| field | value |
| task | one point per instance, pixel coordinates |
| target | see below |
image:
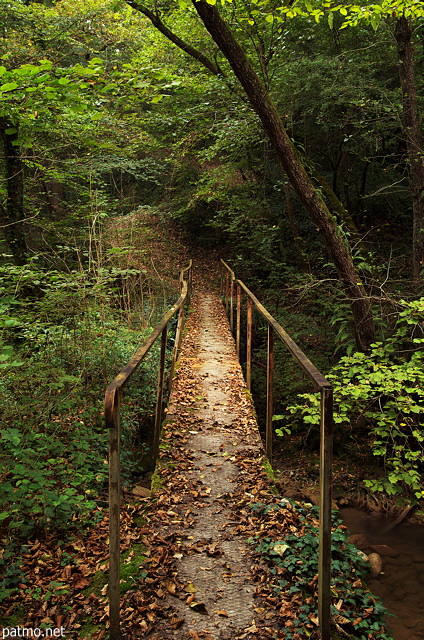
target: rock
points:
(343, 502)
(384, 550)
(140, 492)
(359, 540)
(376, 563)
(313, 496)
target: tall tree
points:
(412, 129)
(261, 101)
(12, 214)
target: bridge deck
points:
(210, 469)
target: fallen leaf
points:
(79, 582)
(170, 586)
(200, 608)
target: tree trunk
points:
(13, 215)
(292, 166)
(414, 148)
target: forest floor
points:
(188, 569)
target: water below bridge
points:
(401, 583)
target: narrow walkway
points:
(211, 467)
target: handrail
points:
(112, 414)
(326, 429)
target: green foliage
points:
(294, 563)
(67, 332)
(11, 572)
(381, 395)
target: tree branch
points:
(155, 19)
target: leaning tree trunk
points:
(12, 216)
(293, 167)
(414, 148)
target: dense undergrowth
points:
(379, 402)
(63, 337)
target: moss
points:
(88, 631)
(140, 520)
(130, 571)
(268, 469)
(249, 395)
(97, 583)
(157, 482)
(130, 567)
(16, 619)
(270, 473)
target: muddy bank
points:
(401, 583)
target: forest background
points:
(285, 138)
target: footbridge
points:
(211, 467)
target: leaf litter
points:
(199, 577)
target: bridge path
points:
(211, 468)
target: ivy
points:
(293, 560)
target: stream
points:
(400, 586)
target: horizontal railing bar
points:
(310, 369)
(228, 269)
(125, 374)
(112, 416)
(326, 432)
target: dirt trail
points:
(214, 437)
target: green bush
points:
(62, 340)
(381, 396)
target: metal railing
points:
(112, 412)
(232, 296)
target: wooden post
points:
(269, 392)
(227, 276)
(159, 395)
(238, 320)
(114, 518)
(232, 305)
(178, 338)
(249, 343)
(324, 562)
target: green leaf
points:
(9, 86)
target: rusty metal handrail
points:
(112, 413)
(326, 429)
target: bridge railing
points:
(112, 412)
(233, 290)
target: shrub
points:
(381, 395)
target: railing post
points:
(232, 304)
(178, 338)
(189, 284)
(227, 276)
(159, 396)
(324, 562)
(249, 343)
(238, 320)
(269, 392)
(114, 518)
